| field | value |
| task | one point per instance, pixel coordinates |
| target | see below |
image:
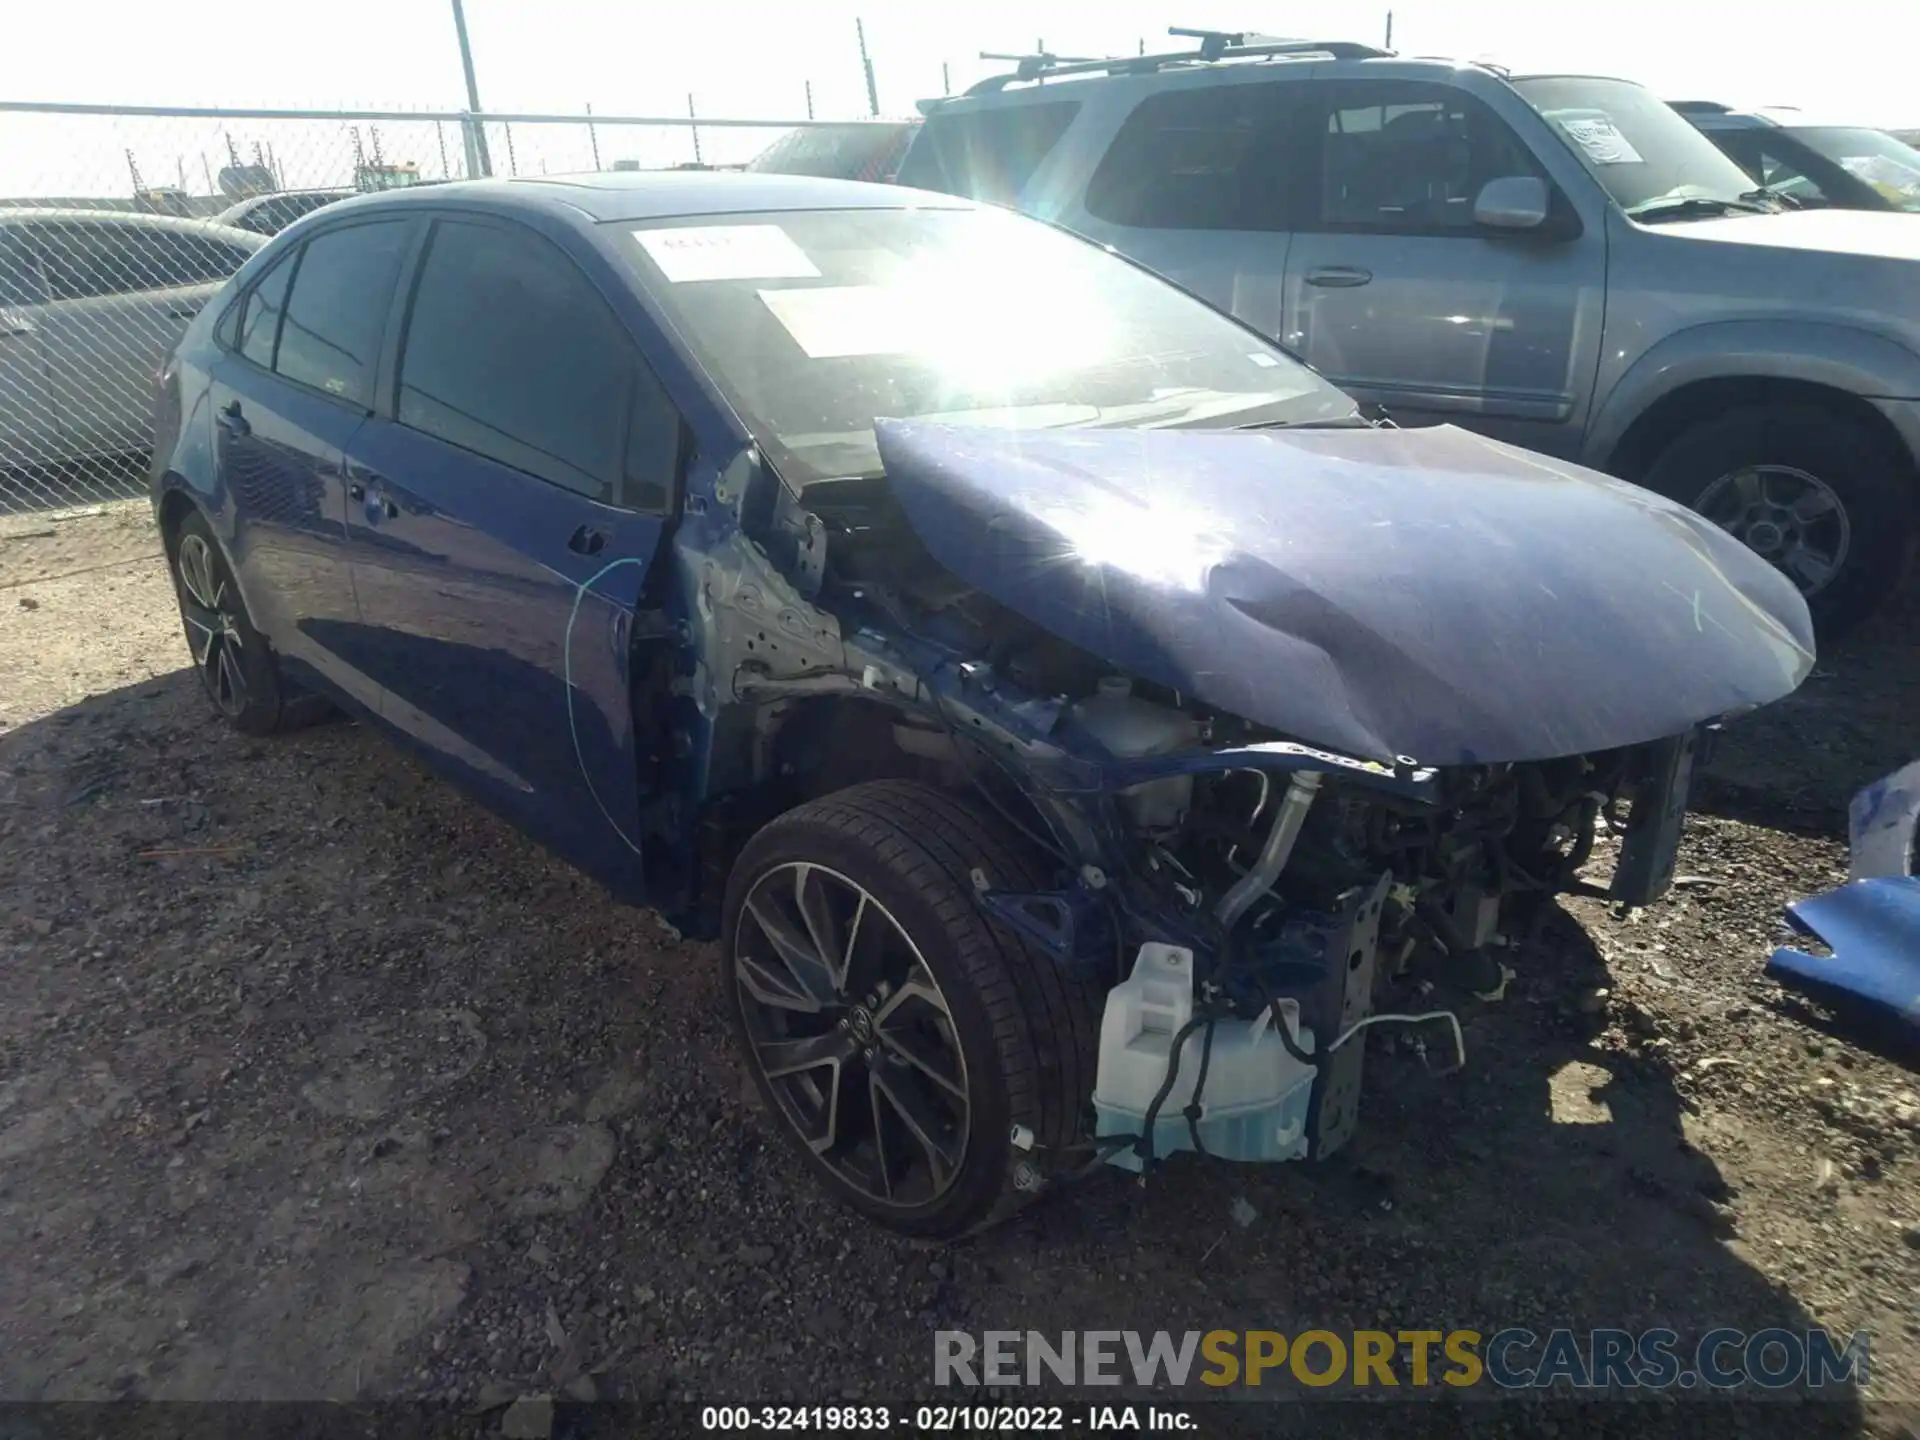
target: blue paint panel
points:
(1422, 593)
(500, 651)
(1873, 928)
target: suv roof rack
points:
(1214, 45)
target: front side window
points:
(330, 336)
(511, 353)
(1401, 155)
(19, 273)
(816, 323)
(1214, 158)
(986, 155)
(1649, 159)
(82, 261)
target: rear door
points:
(296, 380)
(1198, 185)
(122, 293)
(1396, 295)
(29, 424)
(506, 506)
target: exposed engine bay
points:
(1254, 903)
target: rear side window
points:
(1220, 158)
(83, 261)
(330, 336)
(19, 279)
(260, 321)
(986, 154)
(511, 353)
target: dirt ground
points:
(317, 1081)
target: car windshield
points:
(1872, 157)
(816, 323)
(1649, 159)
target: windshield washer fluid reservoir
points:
(1256, 1100)
(1132, 727)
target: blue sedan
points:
(1053, 696)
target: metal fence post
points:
(478, 162)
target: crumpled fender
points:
(1384, 593)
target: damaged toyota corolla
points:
(1077, 723)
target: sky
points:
(1849, 60)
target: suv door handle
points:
(230, 419)
(587, 540)
(1338, 277)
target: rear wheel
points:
(1813, 493)
(896, 1033)
(235, 665)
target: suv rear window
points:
(986, 154)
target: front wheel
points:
(1807, 489)
(896, 1033)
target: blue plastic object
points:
(1873, 928)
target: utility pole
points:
(946, 81)
(866, 64)
(478, 162)
(694, 129)
(1389, 44)
(593, 138)
(809, 99)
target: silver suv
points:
(1559, 261)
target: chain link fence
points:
(117, 224)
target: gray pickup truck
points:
(1558, 261)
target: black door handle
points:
(587, 540)
(232, 421)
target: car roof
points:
(1711, 114)
(661, 194)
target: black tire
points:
(1873, 484)
(1028, 1033)
(236, 666)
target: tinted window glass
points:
(512, 354)
(19, 280)
(1212, 159)
(330, 338)
(260, 320)
(1400, 155)
(81, 261)
(986, 154)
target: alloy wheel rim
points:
(1790, 518)
(213, 631)
(852, 1034)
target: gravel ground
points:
(317, 1081)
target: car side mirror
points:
(1513, 202)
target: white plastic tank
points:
(1132, 727)
(1255, 1104)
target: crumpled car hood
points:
(1420, 593)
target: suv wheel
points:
(895, 1032)
(1814, 494)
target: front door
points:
(1397, 296)
(504, 520)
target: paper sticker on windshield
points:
(833, 321)
(726, 252)
(1601, 139)
(1259, 359)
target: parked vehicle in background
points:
(1811, 165)
(91, 301)
(1559, 261)
(270, 214)
(856, 150)
(1079, 664)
